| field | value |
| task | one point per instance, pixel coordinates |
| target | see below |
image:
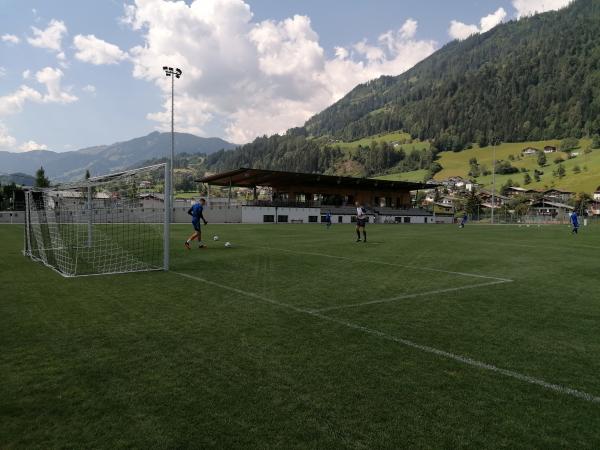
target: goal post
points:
(116, 223)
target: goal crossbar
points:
(116, 223)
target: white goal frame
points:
(101, 226)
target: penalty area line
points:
(374, 261)
(408, 296)
(407, 343)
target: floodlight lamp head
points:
(179, 72)
(165, 67)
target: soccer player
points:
(196, 212)
(575, 223)
(328, 219)
(361, 221)
(463, 221)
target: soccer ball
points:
(215, 238)
(227, 244)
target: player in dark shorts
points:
(361, 222)
(574, 222)
(196, 212)
(328, 219)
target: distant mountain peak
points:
(108, 158)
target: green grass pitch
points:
(298, 337)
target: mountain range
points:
(103, 159)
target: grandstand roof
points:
(245, 177)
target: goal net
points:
(110, 224)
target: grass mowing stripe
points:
(407, 296)
(424, 348)
(374, 261)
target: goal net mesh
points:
(109, 224)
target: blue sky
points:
(77, 73)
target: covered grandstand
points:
(306, 197)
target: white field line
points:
(407, 296)
(373, 261)
(424, 348)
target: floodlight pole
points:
(173, 73)
(493, 178)
(167, 217)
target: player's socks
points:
(365, 236)
(187, 244)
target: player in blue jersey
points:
(574, 222)
(196, 212)
(328, 219)
(463, 221)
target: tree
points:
(560, 171)
(87, 174)
(474, 170)
(527, 179)
(506, 186)
(568, 144)
(581, 202)
(576, 169)
(596, 141)
(504, 167)
(541, 159)
(473, 204)
(40, 178)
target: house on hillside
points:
(550, 149)
(594, 208)
(596, 195)
(442, 208)
(557, 195)
(529, 151)
(454, 182)
(554, 210)
(513, 191)
(471, 186)
(499, 200)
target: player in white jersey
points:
(361, 221)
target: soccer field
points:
(298, 337)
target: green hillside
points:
(531, 79)
(457, 164)
(529, 82)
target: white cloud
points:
(14, 102)
(254, 77)
(96, 51)
(530, 7)
(51, 78)
(32, 145)
(7, 142)
(409, 29)
(26, 74)
(10, 38)
(89, 88)
(2, 72)
(51, 37)
(459, 30)
(491, 20)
